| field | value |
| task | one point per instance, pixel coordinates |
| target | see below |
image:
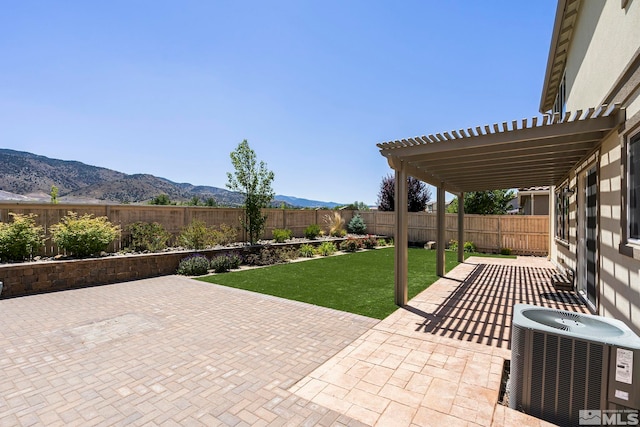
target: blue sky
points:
(171, 87)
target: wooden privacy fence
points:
(523, 234)
(527, 235)
(172, 218)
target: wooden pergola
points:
(527, 153)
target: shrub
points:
(220, 264)
(350, 245)
(335, 224)
(370, 242)
(234, 261)
(307, 251)
(196, 235)
(85, 235)
(224, 235)
(148, 236)
(382, 242)
(266, 256)
(20, 238)
(312, 231)
(326, 249)
(193, 265)
(470, 247)
(281, 235)
(357, 225)
(287, 254)
(505, 251)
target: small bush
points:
(312, 232)
(281, 235)
(288, 254)
(20, 238)
(382, 242)
(307, 251)
(357, 225)
(85, 235)
(193, 265)
(326, 249)
(505, 251)
(224, 235)
(234, 261)
(148, 236)
(196, 236)
(224, 263)
(266, 256)
(468, 246)
(370, 242)
(350, 245)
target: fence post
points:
(499, 233)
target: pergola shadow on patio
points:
(439, 359)
(479, 309)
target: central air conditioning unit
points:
(565, 365)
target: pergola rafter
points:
(540, 151)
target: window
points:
(560, 105)
(633, 171)
(562, 213)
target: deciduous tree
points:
(253, 180)
(494, 202)
(418, 194)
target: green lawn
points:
(361, 282)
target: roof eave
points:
(548, 89)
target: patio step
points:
(563, 281)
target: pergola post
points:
(461, 227)
(401, 236)
(440, 243)
(552, 216)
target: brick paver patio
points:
(165, 351)
(174, 351)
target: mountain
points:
(306, 203)
(25, 173)
(26, 176)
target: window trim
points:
(635, 139)
(630, 132)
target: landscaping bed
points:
(61, 273)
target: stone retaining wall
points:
(48, 276)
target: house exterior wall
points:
(603, 66)
(604, 41)
(619, 278)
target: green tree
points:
(494, 202)
(253, 180)
(54, 194)
(357, 206)
(210, 202)
(162, 199)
